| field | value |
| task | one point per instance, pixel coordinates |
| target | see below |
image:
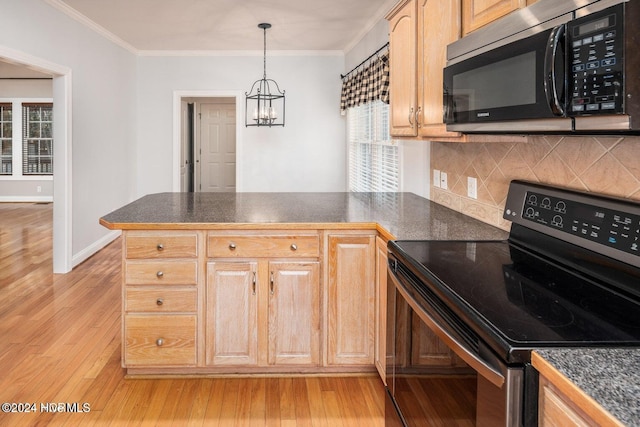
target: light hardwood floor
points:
(60, 343)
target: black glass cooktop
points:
(520, 300)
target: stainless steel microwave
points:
(576, 70)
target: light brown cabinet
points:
(262, 311)
(419, 32)
(231, 318)
(249, 301)
(478, 13)
(381, 308)
(160, 299)
(350, 299)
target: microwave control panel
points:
(595, 50)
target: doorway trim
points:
(62, 137)
(177, 98)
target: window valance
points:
(366, 84)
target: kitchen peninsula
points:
(265, 282)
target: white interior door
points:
(217, 151)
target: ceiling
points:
(230, 25)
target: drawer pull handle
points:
(160, 247)
(159, 274)
(159, 342)
(232, 246)
(294, 247)
(159, 301)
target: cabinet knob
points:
(159, 342)
(232, 246)
(159, 301)
(294, 247)
(159, 274)
(160, 247)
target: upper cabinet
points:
(477, 13)
(420, 31)
(403, 69)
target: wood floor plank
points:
(61, 344)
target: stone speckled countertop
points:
(611, 377)
(405, 216)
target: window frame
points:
(17, 149)
(6, 140)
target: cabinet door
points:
(294, 313)
(351, 300)
(438, 25)
(402, 69)
(381, 308)
(231, 313)
(476, 13)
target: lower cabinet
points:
(284, 294)
(350, 299)
(231, 318)
(250, 301)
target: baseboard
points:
(84, 254)
(25, 199)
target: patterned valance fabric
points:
(370, 83)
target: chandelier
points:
(264, 103)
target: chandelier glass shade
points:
(264, 103)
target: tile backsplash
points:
(607, 165)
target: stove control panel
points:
(603, 224)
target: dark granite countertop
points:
(403, 215)
(611, 377)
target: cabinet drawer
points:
(160, 340)
(245, 246)
(160, 300)
(161, 245)
(161, 272)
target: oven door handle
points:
(481, 366)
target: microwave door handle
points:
(550, 72)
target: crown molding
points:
(74, 14)
(260, 53)
(380, 14)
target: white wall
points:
(414, 155)
(306, 155)
(103, 78)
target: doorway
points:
(62, 221)
(207, 142)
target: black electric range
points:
(567, 276)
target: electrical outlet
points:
(39, 189)
(472, 187)
(443, 181)
(436, 178)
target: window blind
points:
(37, 141)
(373, 155)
